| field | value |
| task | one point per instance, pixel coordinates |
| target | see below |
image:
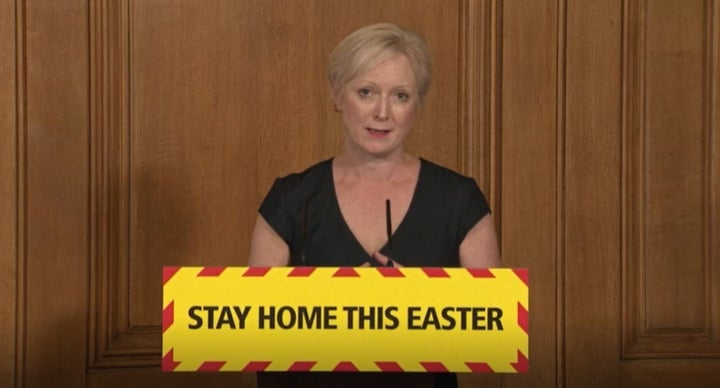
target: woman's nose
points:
(381, 110)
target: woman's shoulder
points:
(291, 192)
(310, 175)
(443, 183)
(457, 191)
(438, 172)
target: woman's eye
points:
(364, 92)
(402, 96)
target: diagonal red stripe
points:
(256, 271)
(345, 366)
(435, 272)
(301, 271)
(168, 272)
(523, 274)
(346, 272)
(168, 363)
(211, 366)
(211, 271)
(481, 272)
(256, 366)
(390, 272)
(522, 317)
(168, 316)
(301, 366)
(479, 367)
(434, 366)
(389, 366)
(522, 365)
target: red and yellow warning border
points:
(345, 319)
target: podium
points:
(345, 319)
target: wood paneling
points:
(8, 191)
(56, 200)
(480, 70)
(591, 184)
(111, 341)
(671, 290)
(670, 373)
(479, 114)
(528, 158)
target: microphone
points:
(388, 222)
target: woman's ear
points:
(336, 98)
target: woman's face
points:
(379, 107)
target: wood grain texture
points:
(593, 88)
(56, 151)
(528, 159)
(8, 193)
(479, 115)
(480, 68)
(672, 297)
(670, 373)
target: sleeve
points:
(474, 206)
(274, 210)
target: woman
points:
(336, 212)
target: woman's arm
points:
(480, 248)
(267, 248)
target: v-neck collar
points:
(346, 228)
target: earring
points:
(337, 108)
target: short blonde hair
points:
(369, 46)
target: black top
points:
(303, 209)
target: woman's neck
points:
(374, 168)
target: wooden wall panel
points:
(591, 181)
(55, 145)
(701, 373)
(8, 191)
(479, 108)
(479, 115)
(672, 292)
(529, 153)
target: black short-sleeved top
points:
(303, 209)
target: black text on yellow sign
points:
(349, 317)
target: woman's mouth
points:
(378, 131)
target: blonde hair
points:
(369, 46)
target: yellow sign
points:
(345, 319)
